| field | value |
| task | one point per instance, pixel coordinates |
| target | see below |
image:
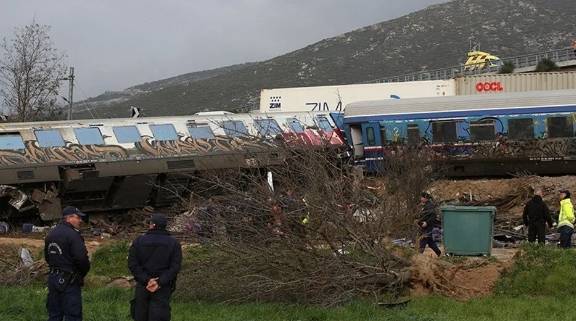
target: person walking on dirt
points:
(535, 217)
(427, 222)
(67, 257)
(566, 220)
(154, 259)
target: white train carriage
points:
(126, 163)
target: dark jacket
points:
(64, 249)
(155, 254)
(428, 215)
(536, 212)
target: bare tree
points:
(30, 69)
(321, 236)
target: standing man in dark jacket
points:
(67, 257)
(536, 215)
(427, 222)
(154, 259)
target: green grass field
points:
(539, 287)
(19, 304)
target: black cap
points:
(566, 192)
(70, 210)
(159, 220)
(426, 195)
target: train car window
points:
(201, 132)
(444, 131)
(520, 128)
(324, 124)
(126, 134)
(267, 127)
(483, 130)
(89, 136)
(370, 137)
(413, 132)
(11, 141)
(383, 135)
(164, 132)
(559, 127)
(295, 125)
(49, 138)
(234, 128)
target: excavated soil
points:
(509, 195)
(459, 278)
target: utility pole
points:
(70, 79)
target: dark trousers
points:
(64, 302)
(152, 306)
(537, 230)
(565, 236)
(428, 240)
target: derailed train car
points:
(470, 135)
(107, 164)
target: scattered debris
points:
(4, 228)
(27, 228)
(26, 257)
(18, 267)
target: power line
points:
(89, 108)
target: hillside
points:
(435, 37)
(115, 97)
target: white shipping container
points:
(503, 83)
(334, 98)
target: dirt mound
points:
(470, 278)
(508, 195)
(489, 191)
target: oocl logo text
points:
(489, 86)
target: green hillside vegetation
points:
(432, 38)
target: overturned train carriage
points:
(492, 135)
(106, 164)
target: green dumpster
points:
(468, 230)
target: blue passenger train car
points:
(470, 135)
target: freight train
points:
(476, 135)
(110, 164)
(335, 98)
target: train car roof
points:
(454, 106)
(152, 120)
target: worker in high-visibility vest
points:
(566, 220)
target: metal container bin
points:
(468, 230)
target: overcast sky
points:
(115, 44)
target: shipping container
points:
(334, 98)
(503, 83)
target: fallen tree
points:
(316, 235)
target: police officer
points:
(66, 254)
(154, 259)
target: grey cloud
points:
(116, 44)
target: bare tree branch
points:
(323, 236)
(30, 72)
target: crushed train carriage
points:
(497, 135)
(110, 164)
